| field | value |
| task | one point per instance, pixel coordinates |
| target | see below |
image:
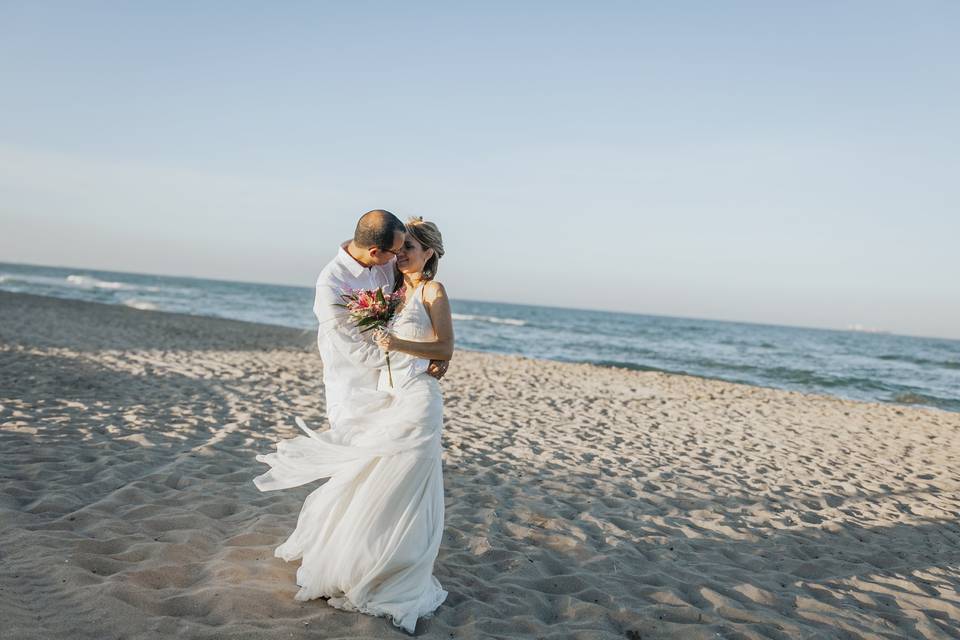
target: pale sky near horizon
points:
(767, 162)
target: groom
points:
(350, 360)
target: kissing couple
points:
(368, 536)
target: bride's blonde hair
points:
(429, 236)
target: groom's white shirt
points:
(350, 358)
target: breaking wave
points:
(89, 282)
(143, 305)
(471, 318)
(73, 281)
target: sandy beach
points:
(581, 501)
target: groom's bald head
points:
(378, 228)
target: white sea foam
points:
(73, 281)
(89, 282)
(140, 304)
(14, 278)
(471, 318)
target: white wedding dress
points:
(369, 535)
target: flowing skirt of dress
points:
(368, 537)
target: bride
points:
(368, 537)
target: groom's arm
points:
(339, 332)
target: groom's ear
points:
(377, 253)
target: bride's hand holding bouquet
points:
(386, 340)
(372, 310)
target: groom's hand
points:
(437, 368)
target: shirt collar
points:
(355, 268)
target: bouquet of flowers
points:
(372, 309)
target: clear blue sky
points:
(791, 163)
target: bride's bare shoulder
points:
(433, 290)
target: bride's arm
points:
(438, 306)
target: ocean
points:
(850, 364)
